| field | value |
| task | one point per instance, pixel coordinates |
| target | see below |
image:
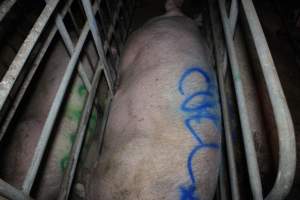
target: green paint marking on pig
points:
(92, 123)
(65, 160)
(82, 90)
(74, 113)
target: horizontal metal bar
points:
(48, 126)
(251, 157)
(284, 125)
(76, 148)
(98, 43)
(5, 7)
(19, 61)
(10, 192)
(31, 73)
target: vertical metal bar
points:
(251, 158)
(233, 15)
(98, 43)
(220, 61)
(284, 125)
(76, 148)
(10, 192)
(48, 126)
(70, 48)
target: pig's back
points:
(147, 144)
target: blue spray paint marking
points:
(206, 108)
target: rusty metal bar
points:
(48, 126)
(284, 124)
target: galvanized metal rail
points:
(285, 130)
(10, 79)
(286, 135)
(221, 63)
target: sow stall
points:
(60, 52)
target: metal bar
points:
(112, 27)
(251, 158)
(104, 122)
(10, 192)
(5, 7)
(76, 148)
(77, 31)
(19, 61)
(30, 75)
(70, 48)
(98, 43)
(286, 135)
(48, 126)
(233, 15)
(220, 61)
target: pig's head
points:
(173, 7)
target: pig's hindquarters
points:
(162, 137)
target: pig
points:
(20, 142)
(162, 139)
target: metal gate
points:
(108, 22)
(112, 23)
(224, 16)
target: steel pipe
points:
(220, 54)
(286, 136)
(76, 148)
(83, 72)
(48, 126)
(251, 158)
(98, 43)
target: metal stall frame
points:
(286, 137)
(9, 82)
